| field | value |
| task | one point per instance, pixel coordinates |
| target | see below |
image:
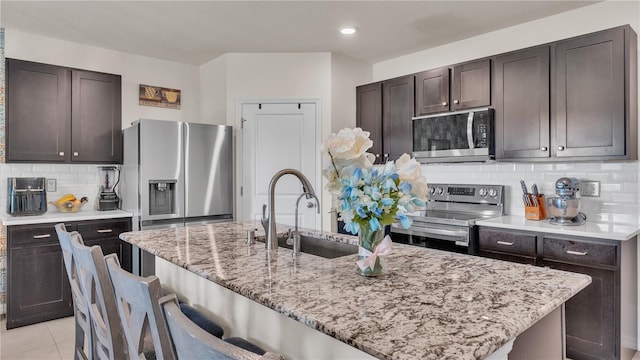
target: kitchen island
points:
(431, 304)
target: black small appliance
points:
(26, 196)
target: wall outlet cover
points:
(51, 185)
(589, 188)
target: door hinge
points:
(242, 120)
(241, 190)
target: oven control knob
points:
(439, 191)
(493, 193)
(482, 192)
(432, 190)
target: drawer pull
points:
(43, 236)
(104, 231)
(506, 243)
(579, 253)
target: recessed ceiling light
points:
(348, 30)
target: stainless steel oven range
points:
(448, 223)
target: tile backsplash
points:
(80, 180)
(619, 194)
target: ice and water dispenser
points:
(162, 197)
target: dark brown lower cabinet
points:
(37, 284)
(595, 317)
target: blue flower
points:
(352, 227)
(404, 220)
(387, 201)
(405, 187)
(360, 211)
(374, 224)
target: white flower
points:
(348, 144)
(409, 170)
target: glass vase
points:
(367, 241)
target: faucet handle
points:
(264, 220)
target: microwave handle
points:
(470, 129)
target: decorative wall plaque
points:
(159, 97)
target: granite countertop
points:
(54, 216)
(431, 305)
(592, 229)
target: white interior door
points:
(276, 136)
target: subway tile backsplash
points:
(80, 180)
(619, 200)
(619, 194)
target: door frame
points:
(239, 210)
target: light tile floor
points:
(51, 340)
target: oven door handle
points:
(470, 130)
(430, 231)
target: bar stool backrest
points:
(80, 308)
(95, 284)
(191, 342)
(140, 314)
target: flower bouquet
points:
(369, 197)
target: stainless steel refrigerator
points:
(177, 173)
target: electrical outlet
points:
(51, 185)
(589, 188)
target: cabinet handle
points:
(544, 148)
(456, 101)
(75, 153)
(377, 155)
(43, 236)
(104, 231)
(579, 253)
(507, 243)
(386, 156)
(61, 153)
(444, 103)
(560, 148)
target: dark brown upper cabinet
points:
(62, 115)
(38, 112)
(594, 87)
(369, 114)
(521, 103)
(463, 86)
(397, 111)
(385, 110)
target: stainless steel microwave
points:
(454, 137)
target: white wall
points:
(346, 74)
(213, 91)
(135, 70)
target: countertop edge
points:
(616, 232)
(53, 217)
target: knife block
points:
(536, 212)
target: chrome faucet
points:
(296, 232)
(269, 223)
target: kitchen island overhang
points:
(432, 304)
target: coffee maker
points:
(564, 209)
(107, 197)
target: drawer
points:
(507, 242)
(103, 229)
(25, 235)
(580, 252)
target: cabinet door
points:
(38, 287)
(471, 86)
(397, 111)
(38, 112)
(521, 102)
(432, 91)
(592, 327)
(369, 114)
(589, 113)
(96, 118)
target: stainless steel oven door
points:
(453, 233)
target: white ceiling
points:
(195, 32)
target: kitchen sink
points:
(321, 247)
